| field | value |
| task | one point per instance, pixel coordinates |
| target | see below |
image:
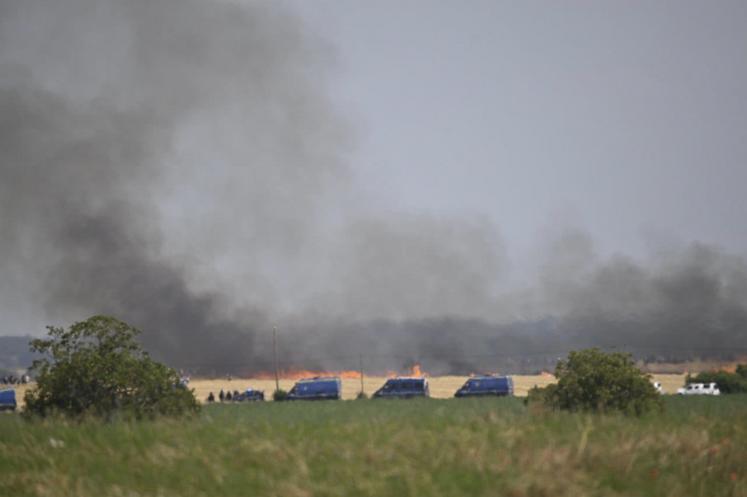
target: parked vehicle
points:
(8, 400)
(249, 395)
(329, 388)
(480, 386)
(403, 388)
(699, 389)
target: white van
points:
(699, 389)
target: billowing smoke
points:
(684, 303)
(181, 165)
(119, 118)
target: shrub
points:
(592, 380)
(727, 382)
(96, 368)
(279, 395)
(541, 395)
(361, 396)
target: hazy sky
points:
(205, 168)
(627, 119)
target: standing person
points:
(211, 398)
(221, 395)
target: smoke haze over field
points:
(185, 166)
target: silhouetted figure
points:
(228, 395)
(221, 395)
(211, 398)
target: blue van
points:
(403, 388)
(7, 400)
(478, 386)
(316, 389)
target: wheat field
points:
(441, 387)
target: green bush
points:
(592, 380)
(96, 368)
(279, 395)
(727, 382)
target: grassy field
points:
(475, 447)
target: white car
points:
(699, 389)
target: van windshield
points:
(403, 385)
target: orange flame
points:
(416, 370)
(732, 366)
(299, 374)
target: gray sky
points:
(627, 119)
(204, 169)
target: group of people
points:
(223, 396)
(15, 380)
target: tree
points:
(96, 367)
(592, 380)
(727, 382)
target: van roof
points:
(319, 378)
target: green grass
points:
(482, 447)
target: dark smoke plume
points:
(102, 105)
(180, 165)
(687, 303)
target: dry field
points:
(441, 387)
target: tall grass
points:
(472, 447)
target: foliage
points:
(96, 368)
(592, 380)
(541, 396)
(727, 382)
(279, 395)
(361, 396)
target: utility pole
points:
(360, 363)
(275, 354)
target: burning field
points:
(441, 387)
